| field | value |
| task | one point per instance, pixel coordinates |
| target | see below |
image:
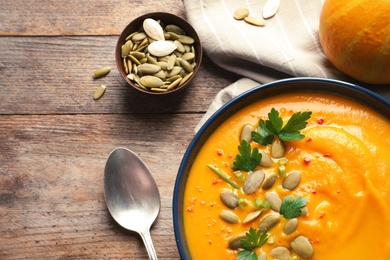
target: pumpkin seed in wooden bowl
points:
(158, 53)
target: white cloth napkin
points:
(287, 46)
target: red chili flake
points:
(190, 209)
(320, 121)
(306, 160)
(327, 155)
(219, 152)
(216, 181)
(309, 139)
(210, 242)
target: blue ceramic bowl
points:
(312, 85)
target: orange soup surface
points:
(344, 164)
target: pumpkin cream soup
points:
(295, 176)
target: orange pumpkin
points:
(355, 36)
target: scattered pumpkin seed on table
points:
(254, 21)
(99, 92)
(100, 72)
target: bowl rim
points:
(155, 15)
(204, 132)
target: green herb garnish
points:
(248, 159)
(223, 175)
(291, 208)
(255, 238)
(267, 129)
(246, 255)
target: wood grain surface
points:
(55, 139)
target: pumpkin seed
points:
(173, 36)
(158, 90)
(269, 181)
(262, 256)
(304, 211)
(173, 78)
(252, 216)
(253, 182)
(175, 29)
(266, 160)
(235, 241)
(254, 21)
(229, 198)
(174, 84)
(126, 48)
(131, 76)
(134, 59)
(99, 92)
(241, 13)
(151, 59)
(161, 48)
(188, 56)
(138, 55)
(130, 36)
(246, 133)
(290, 226)
(302, 246)
(100, 72)
(153, 29)
(163, 65)
(179, 46)
(171, 62)
(175, 71)
(270, 8)
(147, 68)
(291, 181)
(129, 65)
(274, 201)
(229, 217)
(144, 60)
(184, 39)
(186, 78)
(160, 74)
(280, 253)
(138, 37)
(277, 149)
(186, 65)
(269, 221)
(151, 81)
(125, 65)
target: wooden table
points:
(55, 139)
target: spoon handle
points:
(149, 244)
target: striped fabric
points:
(287, 46)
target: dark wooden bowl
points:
(165, 18)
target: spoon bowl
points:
(131, 194)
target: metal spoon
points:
(132, 196)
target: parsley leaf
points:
(247, 160)
(246, 255)
(262, 136)
(274, 126)
(255, 238)
(291, 208)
